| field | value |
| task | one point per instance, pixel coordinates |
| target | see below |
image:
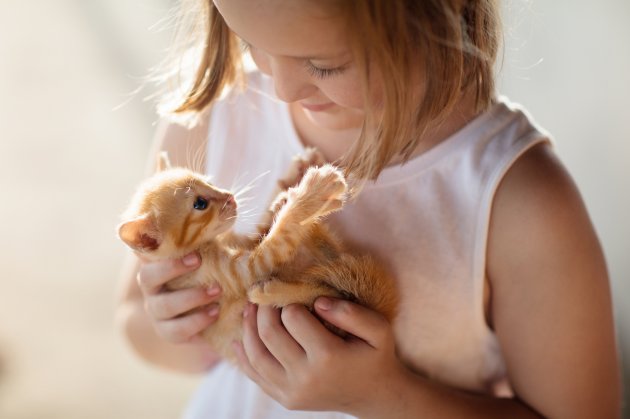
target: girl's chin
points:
(335, 118)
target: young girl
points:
(505, 305)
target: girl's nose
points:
(290, 82)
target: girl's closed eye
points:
(322, 73)
(314, 70)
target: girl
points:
(505, 308)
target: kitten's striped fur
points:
(295, 259)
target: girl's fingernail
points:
(213, 290)
(324, 303)
(213, 310)
(191, 259)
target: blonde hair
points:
(455, 43)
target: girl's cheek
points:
(345, 91)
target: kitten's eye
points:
(200, 203)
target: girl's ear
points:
(140, 234)
(163, 162)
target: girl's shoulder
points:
(538, 192)
(548, 283)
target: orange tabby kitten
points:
(178, 211)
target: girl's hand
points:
(302, 365)
(177, 316)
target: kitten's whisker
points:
(237, 180)
(199, 158)
(195, 158)
(224, 205)
(250, 185)
(248, 214)
(243, 200)
(249, 224)
(241, 192)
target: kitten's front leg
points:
(298, 167)
(320, 192)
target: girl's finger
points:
(184, 329)
(167, 305)
(275, 337)
(307, 330)
(241, 356)
(261, 360)
(362, 322)
(153, 275)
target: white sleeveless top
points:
(427, 220)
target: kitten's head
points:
(174, 212)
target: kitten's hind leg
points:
(279, 293)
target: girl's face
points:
(305, 50)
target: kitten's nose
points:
(231, 201)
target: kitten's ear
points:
(140, 234)
(163, 162)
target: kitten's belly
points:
(228, 327)
(188, 280)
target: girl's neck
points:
(334, 143)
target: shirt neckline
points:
(412, 168)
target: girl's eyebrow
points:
(323, 57)
(327, 57)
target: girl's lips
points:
(317, 107)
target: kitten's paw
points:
(300, 164)
(267, 292)
(325, 187)
(326, 181)
(279, 202)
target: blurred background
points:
(73, 142)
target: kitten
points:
(295, 260)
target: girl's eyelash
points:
(322, 73)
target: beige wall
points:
(569, 63)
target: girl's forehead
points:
(293, 28)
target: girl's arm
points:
(551, 302)
(550, 307)
(158, 324)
